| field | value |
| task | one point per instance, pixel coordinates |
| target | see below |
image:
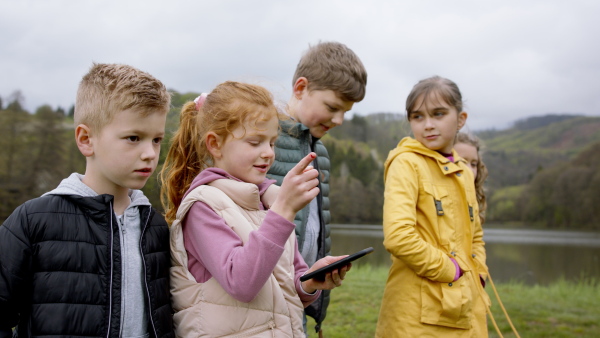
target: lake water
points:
(529, 256)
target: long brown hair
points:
(228, 106)
(482, 172)
(446, 89)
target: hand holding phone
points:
(320, 274)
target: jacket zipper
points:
(145, 279)
(321, 239)
(111, 270)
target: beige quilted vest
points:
(206, 309)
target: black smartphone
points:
(320, 274)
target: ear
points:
(214, 143)
(300, 86)
(83, 138)
(462, 119)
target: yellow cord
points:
(489, 311)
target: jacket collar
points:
(73, 185)
(410, 145)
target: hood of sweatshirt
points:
(73, 185)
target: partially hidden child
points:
(468, 147)
(431, 225)
(328, 80)
(236, 266)
(91, 257)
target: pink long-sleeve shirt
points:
(215, 250)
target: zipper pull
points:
(471, 212)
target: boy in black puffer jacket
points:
(91, 257)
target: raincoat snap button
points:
(473, 255)
(458, 174)
(449, 284)
(446, 168)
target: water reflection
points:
(529, 256)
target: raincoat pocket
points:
(446, 304)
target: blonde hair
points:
(482, 172)
(446, 89)
(228, 106)
(111, 88)
(333, 66)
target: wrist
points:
(283, 212)
(307, 287)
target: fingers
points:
(303, 164)
(334, 278)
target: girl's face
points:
(469, 153)
(247, 153)
(435, 123)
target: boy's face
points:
(320, 110)
(125, 152)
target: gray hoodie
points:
(134, 310)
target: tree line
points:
(527, 185)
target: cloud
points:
(511, 59)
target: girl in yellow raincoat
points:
(431, 225)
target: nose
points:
(338, 118)
(268, 151)
(428, 123)
(150, 151)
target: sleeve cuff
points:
(458, 271)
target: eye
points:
(331, 109)
(133, 138)
(157, 140)
(438, 113)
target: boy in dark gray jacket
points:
(91, 257)
(328, 80)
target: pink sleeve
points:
(300, 268)
(458, 273)
(214, 249)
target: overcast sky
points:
(511, 59)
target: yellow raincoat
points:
(430, 214)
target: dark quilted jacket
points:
(291, 146)
(60, 270)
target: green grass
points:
(562, 309)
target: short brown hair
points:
(333, 66)
(110, 88)
(446, 89)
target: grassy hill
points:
(537, 149)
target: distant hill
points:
(544, 170)
(515, 154)
(536, 146)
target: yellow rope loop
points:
(489, 311)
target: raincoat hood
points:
(410, 145)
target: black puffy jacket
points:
(60, 269)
